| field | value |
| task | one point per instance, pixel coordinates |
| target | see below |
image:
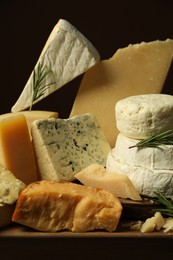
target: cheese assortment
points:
(149, 168)
(118, 104)
(10, 188)
(66, 55)
(136, 69)
(63, 147)
(53, 206)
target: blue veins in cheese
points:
(64, 147)
(66, 54)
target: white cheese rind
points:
(146, 181)
(67, 53)
(151, 158)
(141, 116)
(63, 147)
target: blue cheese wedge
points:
(66, 55)
(64, 147)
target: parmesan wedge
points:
(54, 206)
(120, 185)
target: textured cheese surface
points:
(63, 147)
(141, 116)
(151, 158)
(67, 53)
(10, 187)
(96, 175)
(137, 69)
(146, 181)
(16, 150)
(54, 206)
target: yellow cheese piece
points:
(16, 151)
(118, 184)
(137, 69)
(33, 115)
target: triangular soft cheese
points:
(67, 53)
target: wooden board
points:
(19, 242)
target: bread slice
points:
(53, 206)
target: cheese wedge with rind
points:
(16, 150)
(136, 69)
(118, 184)
(53, 206)
(67, 53)
(63, 147)
(33, 115)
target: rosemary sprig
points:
(167, 209)
(156, 140)
(38, 89)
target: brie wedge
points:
(66, 54)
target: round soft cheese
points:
(146, 181)
(141, 116)
(152, 158)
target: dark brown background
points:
(109, 25)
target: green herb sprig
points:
(156, 140)
(167, 209)
(38, 89)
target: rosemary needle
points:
(167, 205)
(156, 140)
(38, 89)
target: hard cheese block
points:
(53, 206)
(66, 55)
(10, 187)
(63, 147)
(16, 151)
(96, 175)
(137, 69)
(33, 115)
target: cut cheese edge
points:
(33, 115)
(16, 150)
(118, 184)
(63, 147)
(137, 69)
(67, 54)
(10, 188)
(53, 206)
